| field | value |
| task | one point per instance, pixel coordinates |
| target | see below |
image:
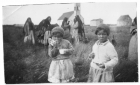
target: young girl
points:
(105, 57)
(61, 67)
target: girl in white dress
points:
(61, 67)
(104, 57)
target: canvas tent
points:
(124, 20)
(96, 22)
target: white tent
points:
(96, 22)
(124, 20)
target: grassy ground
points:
(25, 63)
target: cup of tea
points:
(62, 51)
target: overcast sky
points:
(108, 11)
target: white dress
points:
(106, 54)
(61, 69)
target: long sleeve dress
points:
(61, 67)
(75, 33)
(106, 54)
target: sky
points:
(108, 11)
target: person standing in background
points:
(65, 25)
(74, 31)
(28, 31)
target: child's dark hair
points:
(57, 34)
(103, 27)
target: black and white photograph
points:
(72, 42)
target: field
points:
(26, 63)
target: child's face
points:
(57, 38)
(102, 36)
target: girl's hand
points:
(52, 42)
(67, 51)
(91, 56)
(101, 65)
(54, 52)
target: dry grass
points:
(24, 63)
